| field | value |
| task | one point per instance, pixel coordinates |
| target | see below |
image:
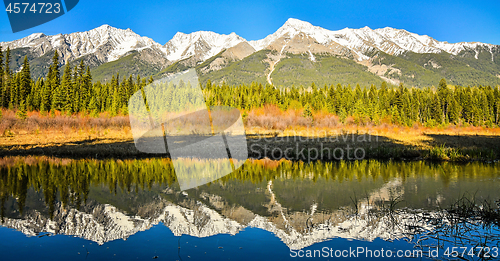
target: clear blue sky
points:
(452, 21)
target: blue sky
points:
(452, 21)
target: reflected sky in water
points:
(135, 209)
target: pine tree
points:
(208, 85)
(57, 99)
(397, 115)
(80, 87)
(87, 88)
(21, 112)
(94, 110)
(443, 86)
(67, 90)
(47, 92)
(115, 104)
(137, 84)
(7, 62)
(307, 111)
(129, 88)
(383, 98)
(25, 82)
(454, 111)
(398, 97)
(7, 80)
(3, 102)
(77, 99)
(121, 94)
(54, 80)
(497, 111)
(443, 96)
(437, 111)
(14, 91)
(37, 94)
(45, 98)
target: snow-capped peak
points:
(291, 28)
(108, 43)
(204, 44)
(297, 24)
(111, 43)
(27, 41)
(360, 41)
(123, 41)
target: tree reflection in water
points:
(302, 203)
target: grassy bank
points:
(111, 137)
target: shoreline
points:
(303, 145)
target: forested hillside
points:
(73, 91)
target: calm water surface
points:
(58, 209)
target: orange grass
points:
(40, 130)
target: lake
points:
(87, 209)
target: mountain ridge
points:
(106, 44)
(131, 41)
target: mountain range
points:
(213, 215)
(297, 53)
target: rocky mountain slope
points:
(297, 53)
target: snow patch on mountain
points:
(203, 43)
(108, 43)
(361, 41)
(112, 42)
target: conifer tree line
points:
(73, 92)
(167, 96)
(478, 106)
(71, 183)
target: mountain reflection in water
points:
(300, 203)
